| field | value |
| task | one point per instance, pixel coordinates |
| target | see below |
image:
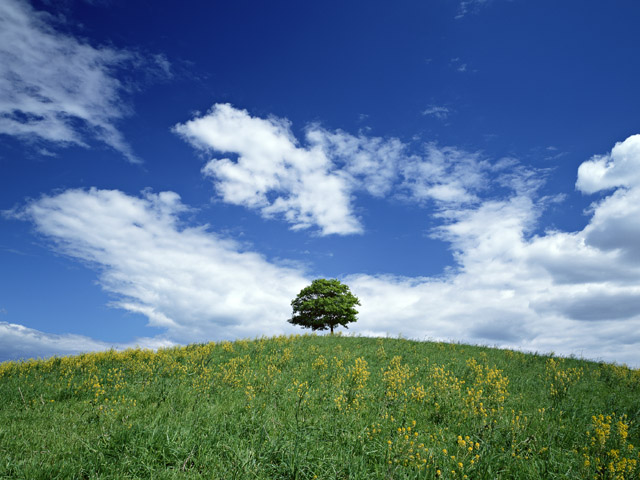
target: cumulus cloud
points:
(507, 291)
(570, 292)
(191, 282)
(272, 173)
(55, 88)
(19, 342)
(619, 168)
(316, 184)
(615, 226)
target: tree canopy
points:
(324, 305)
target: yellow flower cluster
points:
(622, 374)
(608, 453)
(395, 377)
(301, 389)
(250, 393)
(287, 355)
(518, 426)
(320, 363)
(357, 377)
(359, 373)
(272, 370)
(418, 393)
(489, 390)
(406, 448)
(560, 379)
(446, 387)
(233, 372)
(466, 458)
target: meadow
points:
(319, 407)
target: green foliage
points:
(324, 305)
(326, 407)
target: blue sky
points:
(175, 173)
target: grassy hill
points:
(319, 407)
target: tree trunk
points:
(331, 329)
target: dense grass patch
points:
(319, 407)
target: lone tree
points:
(324, 304)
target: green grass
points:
(323, 407)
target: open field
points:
(321, 407)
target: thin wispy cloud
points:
(471, 6)
(57, 89)
(445, 175)
(553, 153)
(369, 164)
(458, 65)
(441, 113)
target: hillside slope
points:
(319, 407)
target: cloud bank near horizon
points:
(190, 281)
(19, 342)
(568, 292)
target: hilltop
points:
(319, 407)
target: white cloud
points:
(189, 281)
(441, 113)
(54, 87)
(573, 293)
(369, 163)
(277, 176)
(458, 64)
(509, 291)
(620, 168)
(568, 292)
(316, 184)
(446, 175)
(474, 6)
(615, 226)
(272, 173)
(20, 342)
